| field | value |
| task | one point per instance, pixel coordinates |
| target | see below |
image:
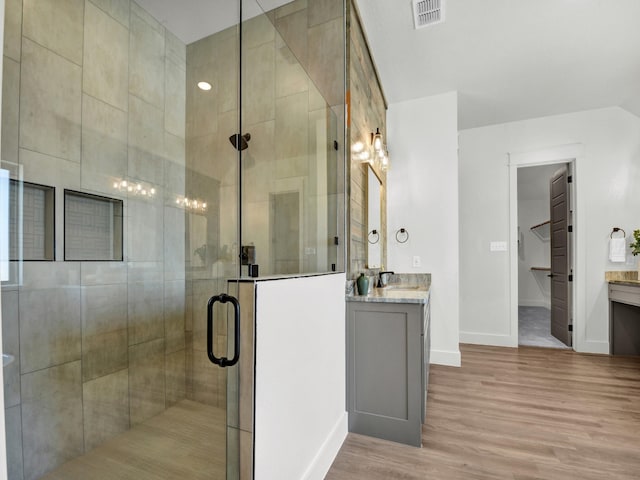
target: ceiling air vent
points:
(427, 12)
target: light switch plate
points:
(498, 246)
(417, 261)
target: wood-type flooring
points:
(521, 414)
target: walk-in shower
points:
(126, 210)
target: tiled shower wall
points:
(94, 94)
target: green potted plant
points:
(635, 247)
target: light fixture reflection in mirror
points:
(374, 248)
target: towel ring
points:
(618, 229)
(373, 233)
(402, 233)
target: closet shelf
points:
(542, 230)
(541, 224)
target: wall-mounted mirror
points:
(374, 236)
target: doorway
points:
(542, 288)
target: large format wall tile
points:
(175, 175)
(146, 141)
(50, 103)
(49, 327)
(118, 9)
(13, 429)
(174, 152)
(292, 141)
(294, 31)
(256, 31)
(174, 244)
(321, 11)
(227, 72)
(146, 380)
(106, 408)
(290, 75)
(258, 91)
(146, 53)
(175, 99)
(145, 228)
(174, 307)
(261, 174)
(291, 7)
(56, 25)
(175, 49)
(49, 314)
(51, 418)
(103, 273)
(106, 57)
(13, 29)
(146, 316)
(104, 330)
(11, 345)
(175, 377)
(10, 109)
(104, 145)
(326, 59)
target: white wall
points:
(423, 198)
(607, 183)
(301, 418)
(534, 250)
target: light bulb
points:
(377, 140)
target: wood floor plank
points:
(521, 414)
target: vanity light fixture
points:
(206, 86)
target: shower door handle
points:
(223, 361)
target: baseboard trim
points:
(592, 346)
(445, 357)
(328, 452)
(488, 339)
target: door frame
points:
(563, 154)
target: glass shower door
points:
(118, 222)
(293, 112)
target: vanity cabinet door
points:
(385, 370)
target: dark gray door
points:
(559, 199)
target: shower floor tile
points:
(185, 441)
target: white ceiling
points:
(507, 59)
(510, 59)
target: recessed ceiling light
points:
(206, 86)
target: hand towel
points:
(618, 250)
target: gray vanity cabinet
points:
(388, 369)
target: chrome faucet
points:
(383, 279)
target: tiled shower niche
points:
(31, 221)
(92, 227)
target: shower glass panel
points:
(108, 374)
(292, 107)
